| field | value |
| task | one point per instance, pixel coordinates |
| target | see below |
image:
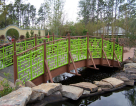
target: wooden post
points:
(113, 52)
(122, 51)
(102, 52)
(35, 41)
(45, 73)
(68, 52)
(87, 62)
(15, 61)
(53, 38)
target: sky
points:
(70, 7)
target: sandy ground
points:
(130, 53)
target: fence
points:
(47, 56)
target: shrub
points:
(5, 83)
(32, 33)
(27, 35)
(22, 37)
(2, 37)
(39, 33)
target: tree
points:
(39, 33)
(27, 35)
(32, 33)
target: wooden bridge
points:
(37, 60)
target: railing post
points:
(53, 38)
(45, 73)
(15, 62)
(102, 52)
(35, 41)
(113, 52)
(122, 51)
(87, 62)
(68, 52)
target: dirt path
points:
(130, 53)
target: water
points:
(122, 97)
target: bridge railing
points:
(34, 62)
(6, 50)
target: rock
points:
(133, 75)
(71, 92)
(86, 86)
(1, 88)
(99, 89)
(134, 59)
(130, 82)
(123, 78)
(29, 84)
(36, 96)
(19, 84)
(19, 97)
(125, 62)
(114, 81)
(86, 92)
(103, 84)
(58, 93)
(47, 88)
(130, 65)
(130, 71)
(106, 89)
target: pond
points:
(122, 97)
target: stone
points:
(133, 75)
(134, 59)
(19, 97)
(29, 84)
(130, 65)
(86, 86)
(123, 78)
(86, 92)
(130, 82)
(125, 62)
(103, 84)
(19, 84)
(130, 71)
(99, 89)
(114, 81)
(57, 93)
(36, 96)
(47, 88)
(105, 89)
(71, 92)
(1, 88)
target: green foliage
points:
(117, 39)
(13, 32)
(39, 33)
(5, 83)
(32, 33)
(27, 35)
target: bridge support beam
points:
(73, 65)
(92, 59)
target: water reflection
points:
(122, 97)
(131, 96)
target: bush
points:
(22, 37)
(2, 37)
(27, 35)
(32, 33)
(5, 83)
